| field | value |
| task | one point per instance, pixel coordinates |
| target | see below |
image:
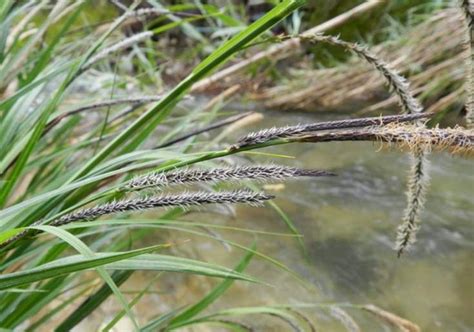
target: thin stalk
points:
(108, 103)
(208, 128)
(127, 42)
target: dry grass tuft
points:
(397, 83)
(429, 55)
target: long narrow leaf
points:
(181, 319)
(92, 302)
(86, 252)
(65, 266)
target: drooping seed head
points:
(417, 185)
(396, 82)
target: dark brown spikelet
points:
(266, 135)
(180, 200)
(146, 203)
(260, 173)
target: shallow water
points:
(349, 224)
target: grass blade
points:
(92, 302)
(66, 266)
(86, 252)
(181, 319)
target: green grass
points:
(43, 176)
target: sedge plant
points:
(64, 171)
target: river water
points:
(349, 224)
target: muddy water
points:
(348, 223)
